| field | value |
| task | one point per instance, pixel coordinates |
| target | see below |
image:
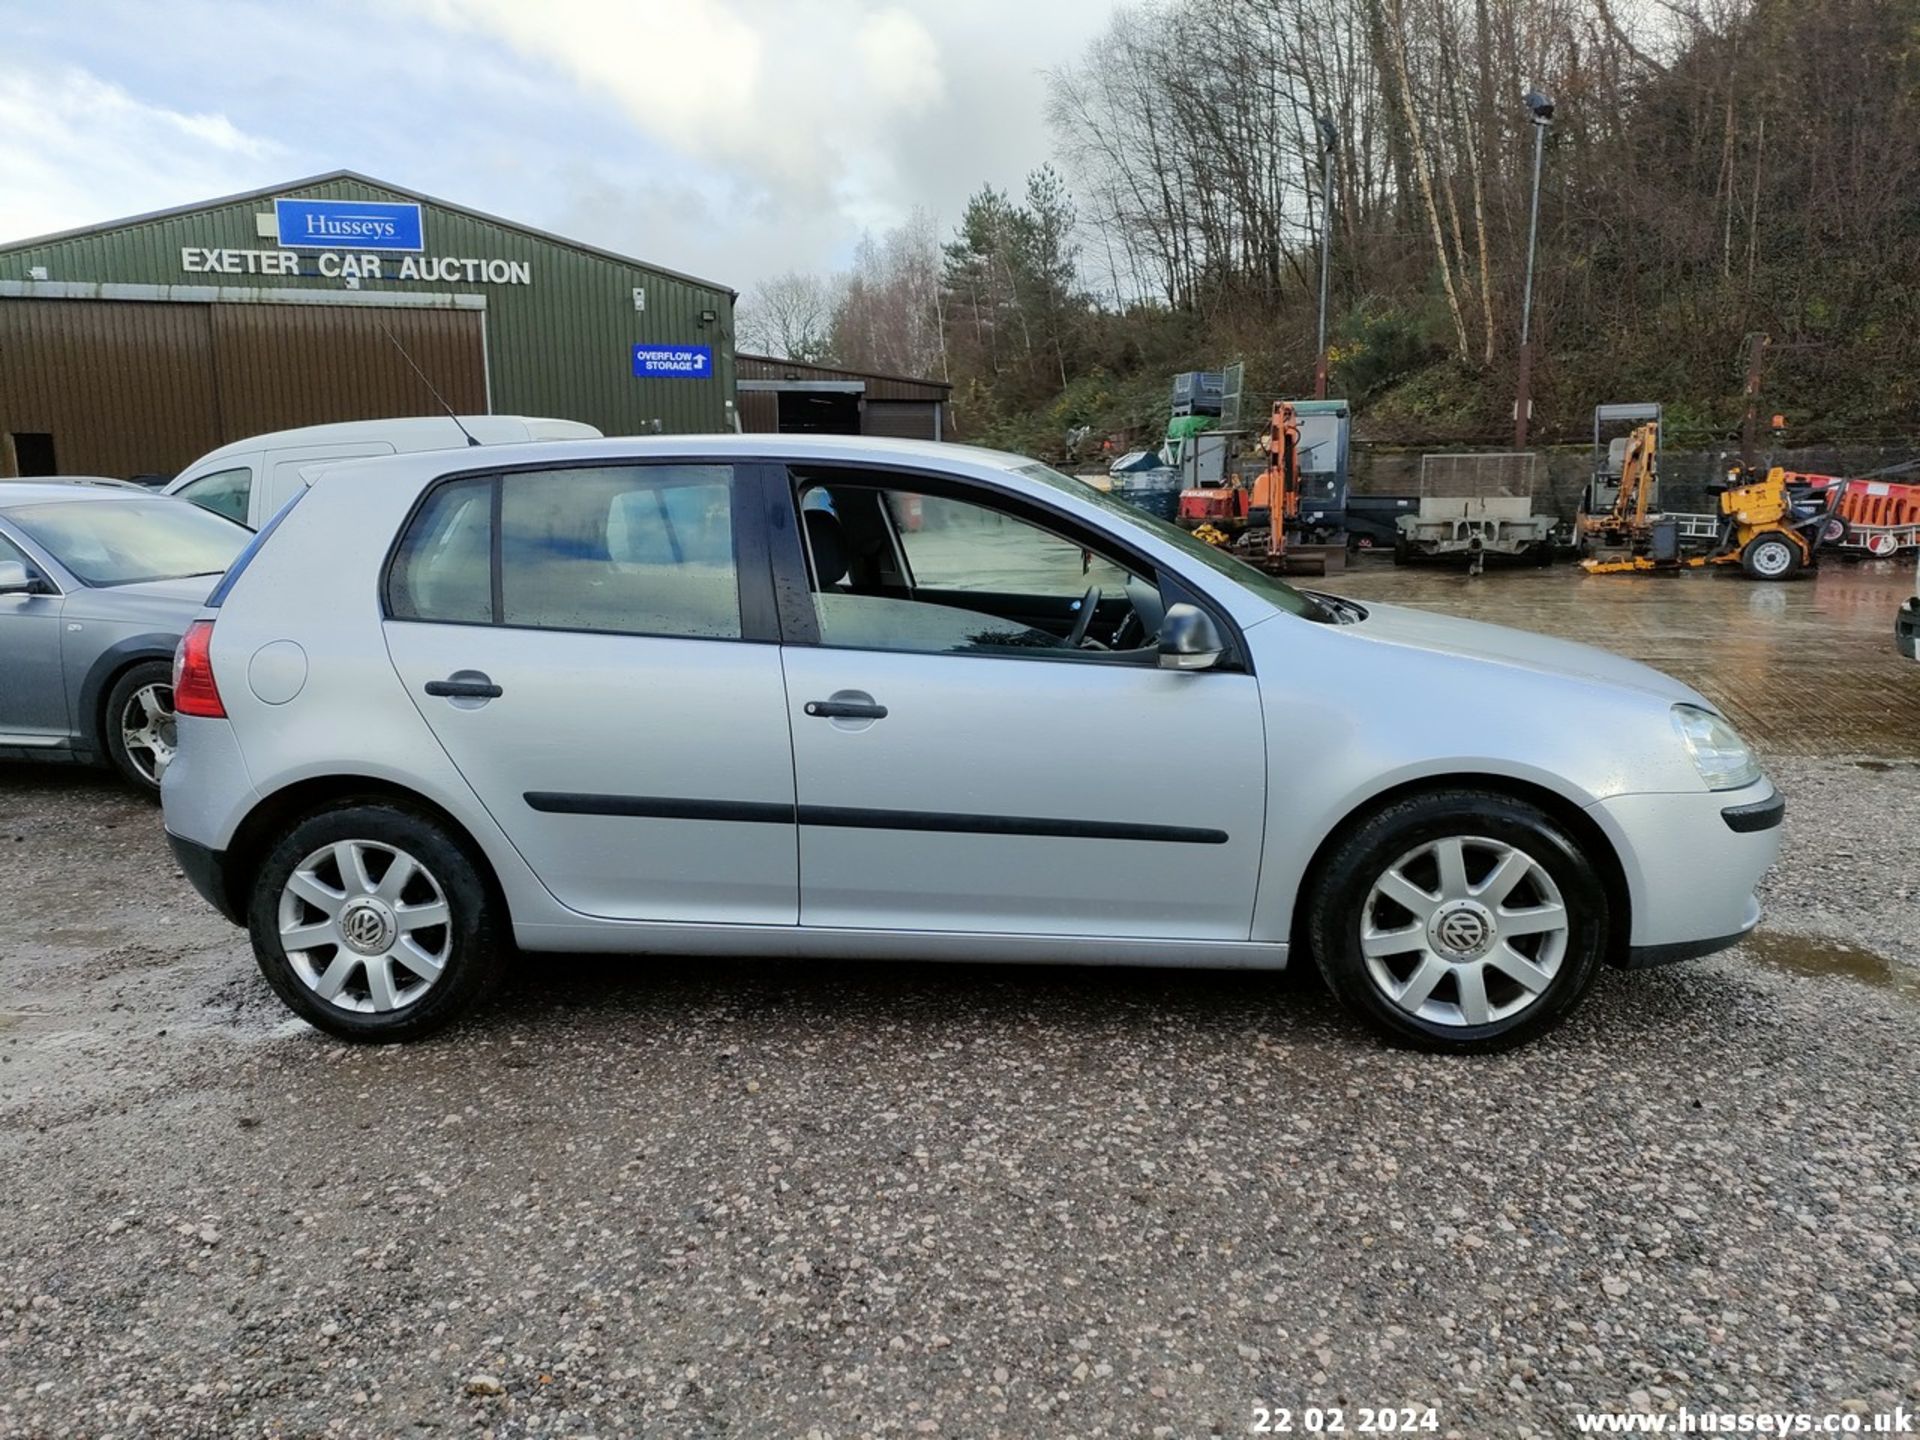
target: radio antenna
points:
(426, 382)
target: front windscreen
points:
(120, 542)
(1274, 592)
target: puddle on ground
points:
(1805, 955)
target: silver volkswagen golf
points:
(794, 697)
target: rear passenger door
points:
(595, 649)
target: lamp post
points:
(1329, 141)
(1540, 111)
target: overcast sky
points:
(732, 139)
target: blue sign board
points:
(348, 225)
(673, 362)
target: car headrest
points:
(829, 547)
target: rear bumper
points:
(206, 871)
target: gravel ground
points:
(701, 1199)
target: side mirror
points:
(14, 579)
(1189, 640)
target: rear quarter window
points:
(443, 568)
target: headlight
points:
(1718, 752)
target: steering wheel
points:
(1089, 602)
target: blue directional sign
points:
(348, 225)
(673, 362)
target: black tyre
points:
(373, 923)
(1459, 920)
(138, 723)
(1402, 553)
(1771, 557)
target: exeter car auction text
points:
(334, 264)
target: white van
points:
(250, 479)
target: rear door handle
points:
(467, 685)
(845, 710)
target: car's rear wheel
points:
(1460, 920)
(373, 923)
(139, 724)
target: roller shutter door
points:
(900, 419)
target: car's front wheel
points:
(373, 923)
(1460, 920)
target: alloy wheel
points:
(365, 926)
(1464, 931)
(147, 730)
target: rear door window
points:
(633, 549)
(626, 549)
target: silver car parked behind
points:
(98, 579)
(834, 697)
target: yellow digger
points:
(1768, 526)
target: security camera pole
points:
(1329, 140)
(1540, 109)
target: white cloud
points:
(797, 95)
(81, 150)
(730, 138)
(798, 123)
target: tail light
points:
(194, 692)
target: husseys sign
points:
(332, 239)
(349, 224)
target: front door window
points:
(894, 568)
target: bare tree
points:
(791, 316)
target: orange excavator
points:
(1262, 521)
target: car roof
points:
(410, 432)
(70, 487)
(851, 449)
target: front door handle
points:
(845, 710)
(465, 685)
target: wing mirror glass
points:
(1189, 640)
(14, 579)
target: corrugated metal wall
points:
(279, 366)
(559, 346)
(124, 389)
(898, 406)
(136, 388)
(878, 387)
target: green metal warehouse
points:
(133, 347)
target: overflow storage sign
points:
(673, 362)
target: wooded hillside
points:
(1714, 168)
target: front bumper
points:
(1691, 863)
(1645, 957)
(206, 871)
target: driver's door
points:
(958, 768)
